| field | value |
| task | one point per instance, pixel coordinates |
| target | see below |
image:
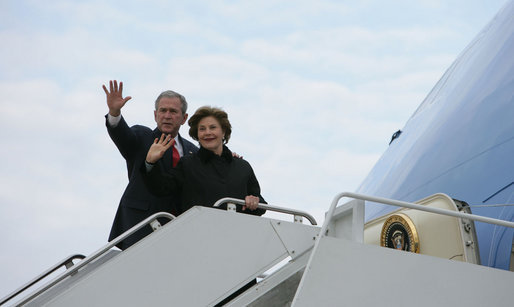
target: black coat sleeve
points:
(255, 190)
(125, 138)
(161, 183)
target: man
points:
(137, 203)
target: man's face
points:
(168, 115)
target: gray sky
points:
(314, 91)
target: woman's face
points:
(210, 134)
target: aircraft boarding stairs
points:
(206, 254)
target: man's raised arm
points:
(115, 100)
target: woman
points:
(210, 174)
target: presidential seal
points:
(399, 232)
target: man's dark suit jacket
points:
(137, 203)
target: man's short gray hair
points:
(172, 94)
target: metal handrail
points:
(97, 254)
(405, 204)
(268, 207)
(68, 262)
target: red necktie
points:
(175, 154)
